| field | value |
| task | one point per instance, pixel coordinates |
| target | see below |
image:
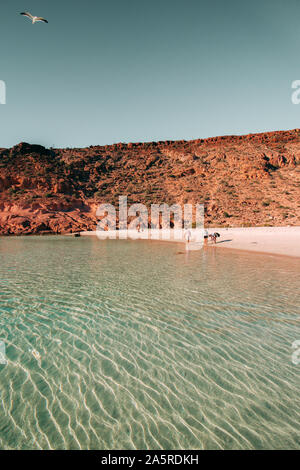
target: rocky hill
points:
(242, 180)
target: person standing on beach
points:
(205, 237)
(188, 235)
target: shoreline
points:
(284, 241)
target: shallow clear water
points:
(144, 347)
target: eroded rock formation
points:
(242, 180)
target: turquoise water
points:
(144, 347)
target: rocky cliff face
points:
(242, 180)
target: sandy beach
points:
(271, 240)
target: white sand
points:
(274, 240)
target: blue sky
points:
(127, 70)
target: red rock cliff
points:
(242, 180)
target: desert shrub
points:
(12, 191)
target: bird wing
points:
(27, 14)
(41, 19)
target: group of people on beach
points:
(213, 236)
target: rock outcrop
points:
(242, 180)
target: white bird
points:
(34, 18)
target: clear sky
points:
(133, 70)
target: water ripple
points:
(127, 345)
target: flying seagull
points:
(34, 18)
